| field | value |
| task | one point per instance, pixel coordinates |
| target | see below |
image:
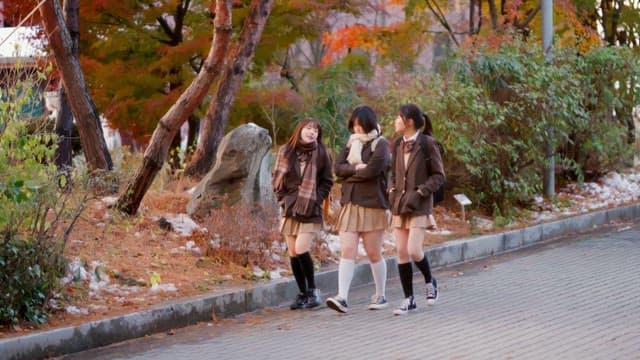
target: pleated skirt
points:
(291, 227)
(407, 221)
(356, 218)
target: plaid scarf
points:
(280, 169)
(307, 190)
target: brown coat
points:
(365, 187)
(289, 193)
(424, 174)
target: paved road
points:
(578, 298)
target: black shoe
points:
(432, 292)
(313, 298)
(299, 303)
(407, 305)
(338, 304)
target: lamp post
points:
(547, 46)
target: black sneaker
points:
(407, 305)
(432, 292)
(338, 304)
(299, 303)
(313, 298)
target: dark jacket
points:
(424, 174)
(366, 187)
(289, 193)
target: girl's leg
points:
(373, 247)
(303, 245)
(404, 265)
(348, 250)
(416, 252)
(416, 238)
(298, 274)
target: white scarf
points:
(355, 144)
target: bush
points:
(245, 235)
(35, 217)
(493, 108)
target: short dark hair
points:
(366, 118)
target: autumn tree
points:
(156, 153)
(84, 110)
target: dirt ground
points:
(126, 264)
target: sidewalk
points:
(190, 311)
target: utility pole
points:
(547, 47)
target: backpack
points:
(438, 195)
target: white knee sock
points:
(379, 271)
(345, 274)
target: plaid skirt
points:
(356, 218)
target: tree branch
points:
(437, 12)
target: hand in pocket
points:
(413, 200)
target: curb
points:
(190, 311)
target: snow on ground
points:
(613, 189)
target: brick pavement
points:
(572, 299)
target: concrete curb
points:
(203, 308)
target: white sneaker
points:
(407, 305)
(378, 303)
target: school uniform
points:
(364, 201)
(287, 194)
(413, 180)
(302, 179)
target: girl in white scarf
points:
(356, 143)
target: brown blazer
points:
(366, 187)
(424, 174)
(288, 195)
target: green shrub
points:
(493, 109)
(35, 217)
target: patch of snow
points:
(333, 243)
(184, 225)
(109, 200)
(257, 272)
(164, 287)
(74, 310)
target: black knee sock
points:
(296, 268)
(423, 265)
(307, 268)
(406, 278)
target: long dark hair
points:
(413, 112)
(294, 140)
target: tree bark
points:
(170, 123)
(494, 14)
(218, 113)
(84, 110)
(64, 120)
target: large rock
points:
(242, 172)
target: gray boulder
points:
(242, 172)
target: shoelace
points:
(376, 299)
(405, 304)
(431, 291)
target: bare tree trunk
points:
(87, 118)
(494, 14)
(170, 123)
(218, 113)
(64, 120)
